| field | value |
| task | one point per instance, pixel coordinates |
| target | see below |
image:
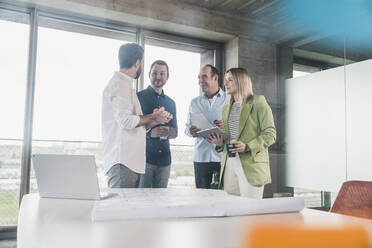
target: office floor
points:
(8, 243)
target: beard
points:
(138, 73)
(157, 83)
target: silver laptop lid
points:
(66, 176)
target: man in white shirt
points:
(210, 104)
(123, 124)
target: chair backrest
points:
(354, 199)
(282, 236)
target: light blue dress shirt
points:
(212, 110)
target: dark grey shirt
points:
(157, 150)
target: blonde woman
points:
(249, 123)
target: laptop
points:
(66, 176)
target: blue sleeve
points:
(141, 100)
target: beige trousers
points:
(235, 182)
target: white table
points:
(45, 223)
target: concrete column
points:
(259, 59)
(232, 53)
(285, 71)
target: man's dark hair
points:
(129, 54)
(214, 70)
(159, 62)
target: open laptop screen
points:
(66, 176)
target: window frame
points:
(9, 232)
(206, 48)
(143, 36)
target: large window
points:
(72, 70)
(13, 77)
(75, 59)
(182, 86)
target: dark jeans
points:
(204, 172)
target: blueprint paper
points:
(185, 203)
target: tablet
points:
(204, 133)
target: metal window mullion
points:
(28, 118)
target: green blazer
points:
(257, 130)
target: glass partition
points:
(358, 52)
(316, 130)
(345, 52)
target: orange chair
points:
(275, 236)
(355, 199)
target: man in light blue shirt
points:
(210, 104)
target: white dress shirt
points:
(123, 143)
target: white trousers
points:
(235, 182)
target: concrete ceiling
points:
(273, 21)
(258, 10)
(287, 28)
(272, 13)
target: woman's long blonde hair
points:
(244, 83)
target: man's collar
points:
(152, 90)
(219, 92)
